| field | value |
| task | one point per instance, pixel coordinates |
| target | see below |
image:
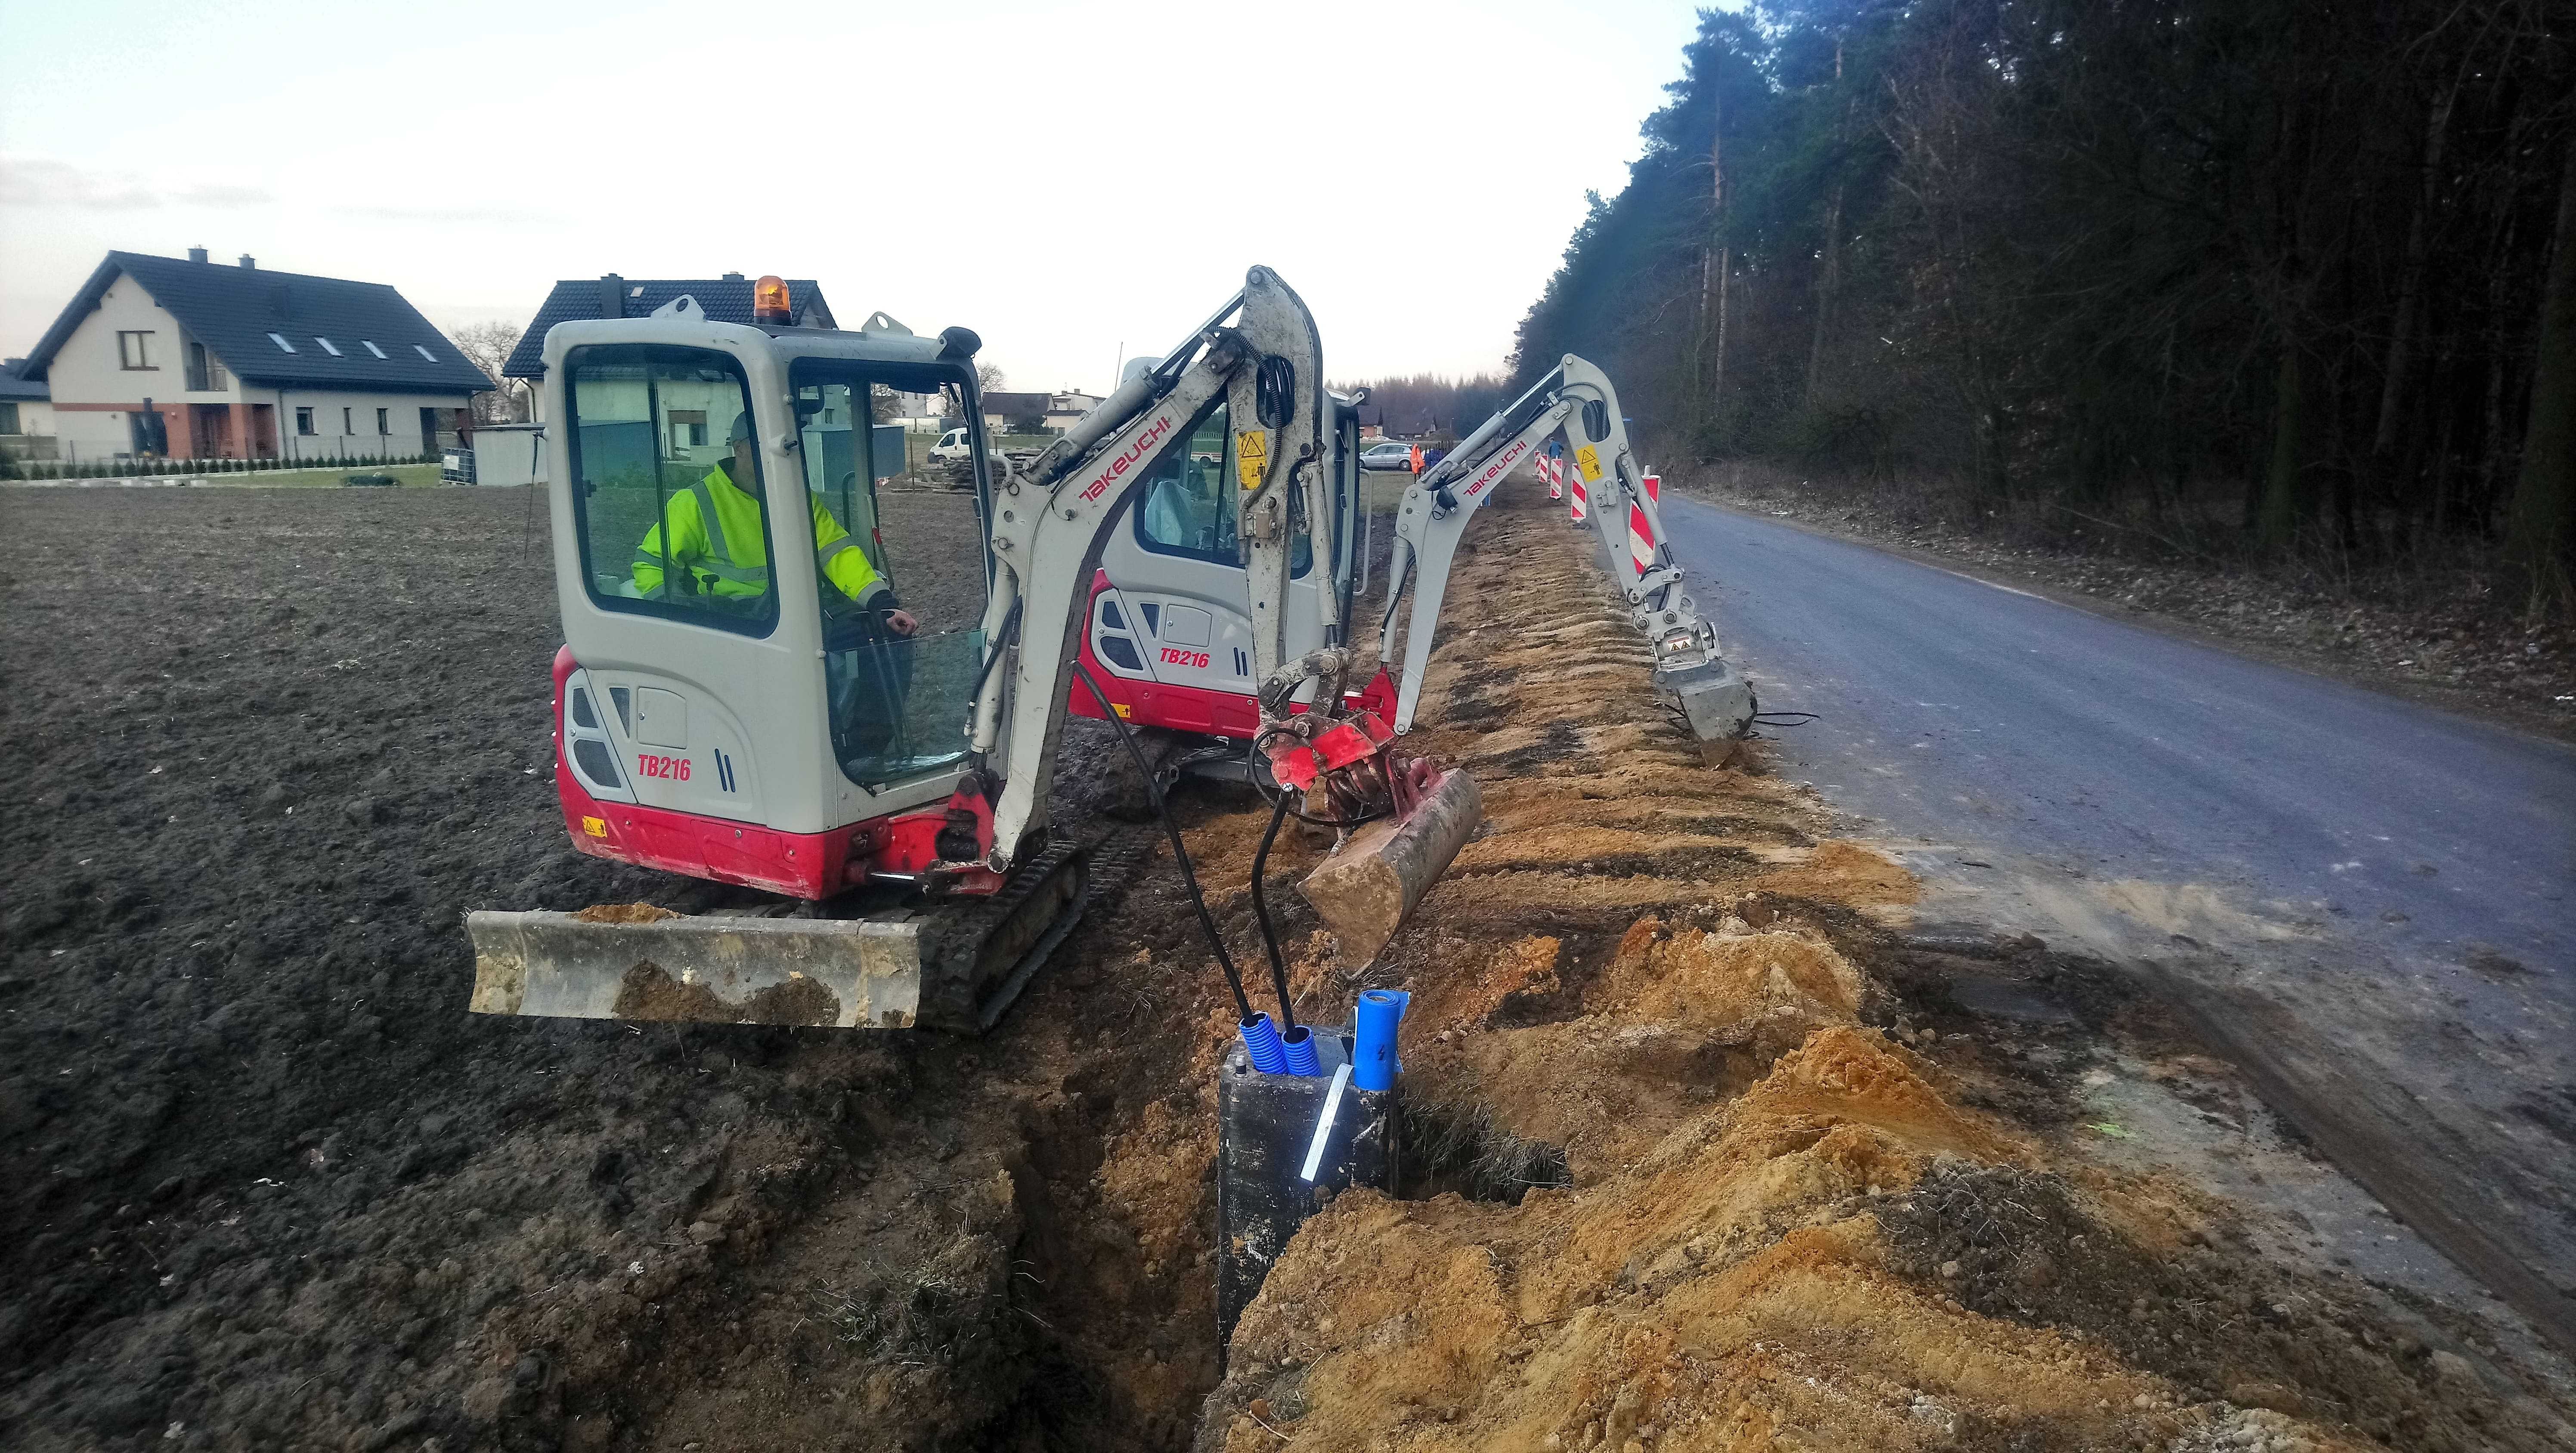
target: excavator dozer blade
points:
(954, 966)
(1715, 699)
(1365, 890)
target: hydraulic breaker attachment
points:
(954, 965)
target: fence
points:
(129, 467)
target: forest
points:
(2246, 277)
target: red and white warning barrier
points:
(1553, 471)
(1578, 505)
(1641, 536)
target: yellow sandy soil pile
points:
(1637, 964)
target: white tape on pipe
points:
(1324, 1126)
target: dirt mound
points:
(1777, 1225)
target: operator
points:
(729, 560)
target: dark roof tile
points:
(232, 310)
(16, 388)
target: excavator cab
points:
(1169, 632)
(774, 632)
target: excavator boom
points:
(1576, 398)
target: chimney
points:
(249, 261)
(733, 277)
(612, 296)
(196, 254)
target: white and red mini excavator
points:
(777, 676)
(1168, 631)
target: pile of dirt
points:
(1778, 1218)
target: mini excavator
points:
(744, 706)
(1168, 634)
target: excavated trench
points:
(1704, 1154)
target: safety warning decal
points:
(594, 826)
(1251, 456)
(1588, 460)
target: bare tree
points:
(488, 345)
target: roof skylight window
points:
(282, 345)
(425, 353)
(372, 348)
(326, 345)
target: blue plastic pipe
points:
(1297, 1046)
(1373, 1057)
(1261, 1045)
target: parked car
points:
(1389, 455)
(954, 446)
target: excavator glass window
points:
(1187, 505)
(671, 516)
(899, 537)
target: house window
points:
(303, 416)
(326, 346)
(688, 430)
(348, 421)
(384, 421)
(8, 418)
(282, 345)
(134, 349)
(425, 353)
(205, 371)
(372, 348)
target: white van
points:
(954, 445)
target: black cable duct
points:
(1180, 853)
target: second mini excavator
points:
(739, 700)
(1168, 633)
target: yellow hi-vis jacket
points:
(716, 540)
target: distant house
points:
(160, 357)
(1066, 407)
(724, 299)
(26, 414)
(1007, 413)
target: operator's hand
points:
(901, 622)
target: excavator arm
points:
(1577, 398)
(1050, 523)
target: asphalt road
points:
(2371, 896)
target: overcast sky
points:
(1063, 178)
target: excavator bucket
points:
(1717, 702)
(1365, 890)
(955, 965)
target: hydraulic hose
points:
(1261, 915)
(1180, 853)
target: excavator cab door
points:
(888, 538)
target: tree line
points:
(1429, 405)
(2286, 271)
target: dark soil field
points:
(271, 1186)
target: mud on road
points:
(1687, 1172)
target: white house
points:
(156, 356)
(1065, 408)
